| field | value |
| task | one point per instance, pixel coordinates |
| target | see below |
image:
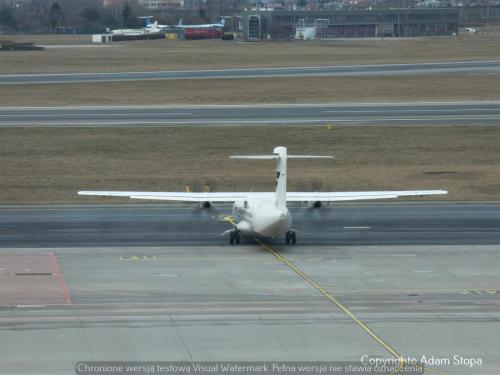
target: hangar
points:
(331, 24)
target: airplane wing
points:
(357, 195)
(238, 196)
(176, 196)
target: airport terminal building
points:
(331, 24)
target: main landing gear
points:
(234, 237)
(290, 238)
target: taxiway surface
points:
(320, 71)
(240, 303)
(156, 283)
(448, 113)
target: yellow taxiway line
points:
(344, 308)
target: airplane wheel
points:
(231, 238)
(287, 238)
(293, 238)
(237, 237)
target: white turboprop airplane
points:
(149, 28)
(265, 215)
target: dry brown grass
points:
(216, 54)
(277, 90)
(49, 39)
(50, 165)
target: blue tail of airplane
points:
(148, 21)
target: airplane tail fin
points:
(281, 156)
(180, 23)
(281, 177)
(147, 20)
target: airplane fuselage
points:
(262, 218)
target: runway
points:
(164, 225)
(156, 283)
(401, 114)
(461, 67)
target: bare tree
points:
(55, 15)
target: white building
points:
(161, 4)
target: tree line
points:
(91, 16)
(81, 16)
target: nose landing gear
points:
(234, 237)
(291, 237)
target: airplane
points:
(471, 30)
(153, 27)
(129, 32)
(264, 215)
(219, 25)
(149, 28)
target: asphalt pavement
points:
(163, 225)
(401, 114)
(155, 282)
(459, 67)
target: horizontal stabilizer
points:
(275, 156)
(310, 157)
(254, 157)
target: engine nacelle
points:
(314, 204)
(205, 204)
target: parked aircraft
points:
(129, 32)
(149, 28)
(471, 30)
(153, 27)
(265, 215)
(219, 25)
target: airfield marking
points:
(482, 291)
(228, 218)
(137, 257)
(37, 115)
(286, 121)
(409, 110)
(316, 286)
(58, 273)
(246, 73)
(303, 275)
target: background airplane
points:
(219, 25)
(149, 28)
(129, 32)
(265, 215)
(154, 27)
